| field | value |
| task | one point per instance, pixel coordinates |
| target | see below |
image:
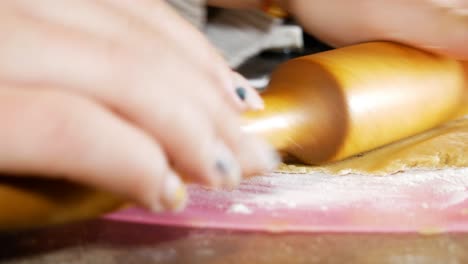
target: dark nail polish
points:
(227, 168)
(230, 176)
(222, 167)
(241, 92)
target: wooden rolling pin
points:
(319, 108)
(336, 104)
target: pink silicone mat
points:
(415, 201)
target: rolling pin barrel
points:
(332, 105)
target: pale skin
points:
(439, 26)
(105, 93)
(132, 99)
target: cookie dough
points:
(443, 147)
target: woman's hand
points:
(123, 96)
(439, 26)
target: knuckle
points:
(232, 131)
(221, 77)
(126, 69)
(58, 123)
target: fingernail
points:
(174, 193)
(227, 167)
(254, 101)
(241, 93)
(246, 93)
(267, 155)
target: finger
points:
(59, 135)
(90, 17)
(254, 155)
(438, 26)
(247, 93)
(191, 141)
(136, 87)
(200, 52)
(259, 158)
(98, 18)
(266, 157)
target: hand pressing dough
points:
(443, 147)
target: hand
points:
(440, 26)
(123, 96)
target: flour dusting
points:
(435, 189)
(411, 201)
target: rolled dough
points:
(443, 147)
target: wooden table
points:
(103, 241)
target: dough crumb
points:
(239, 208)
